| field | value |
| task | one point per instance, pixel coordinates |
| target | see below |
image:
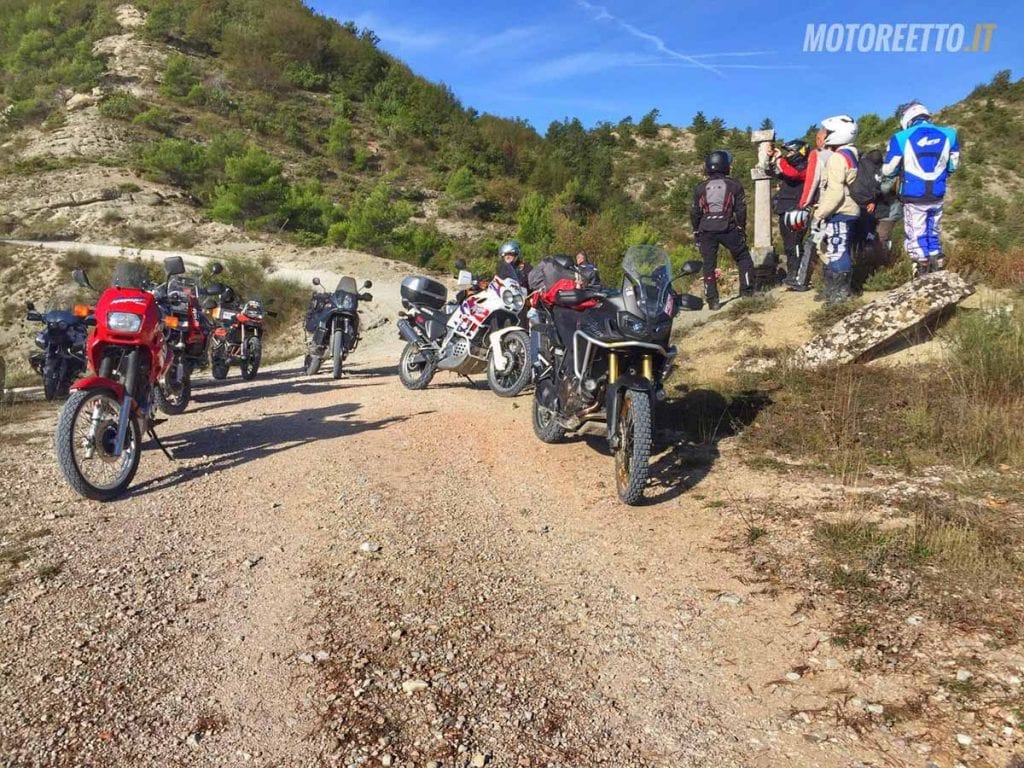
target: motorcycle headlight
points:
(631, 325)
(349, 302)
(124, 322)
(41, 340)
(508, 297)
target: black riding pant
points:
(735, 241)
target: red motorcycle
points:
(238, 340)
(100, 427)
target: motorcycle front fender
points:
(500, 361)
(99, 382)
(613, 400)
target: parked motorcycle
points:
(481, 330)
(603, 355)
(100, 427)
(332, 324)
(188, 335)
(238, 339)
(61, 356)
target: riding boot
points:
(802, 275)
(711, 292)
(792, 267)
(746, 280)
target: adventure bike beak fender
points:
(613, 401)
(98, 382)
(501, 362)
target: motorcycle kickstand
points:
(152, 434)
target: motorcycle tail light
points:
(81, 310)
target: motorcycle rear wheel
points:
(633, 456)
(337, 353)
(253, 356)
(545, 424)
(173, 397)
(415, 375)
(514, 379)
(100, 476)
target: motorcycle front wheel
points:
(515, 346)
(415, 374)
(633, 455)
(85, 439)
(253, 356)
(545, 424)
(337, 353)
(172, 394)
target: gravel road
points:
(348, 573)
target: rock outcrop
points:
(876, 324)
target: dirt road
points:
(347, 573)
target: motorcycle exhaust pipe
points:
(405, 330)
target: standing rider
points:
(790, 167)
(719, 217)
(924, 154)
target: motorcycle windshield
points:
(187, 286)
(647, 281)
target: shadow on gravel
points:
(384, 370)
(294, 384)
(689, 431)
(232, 445)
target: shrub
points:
(461, 184)
(339, 138)
(373, 219)
(155, 119)
(179, 77)
(253, 191)
(175, 161)
(307, 211)
(121, 105)
(536, 229)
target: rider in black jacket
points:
(719, 217)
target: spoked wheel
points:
(633, 456)
(515, 346)
(545, 424)
(85, 441)
(253, 356)
(415, 367)
(337, 353)
(173, 394)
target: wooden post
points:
(763, 253)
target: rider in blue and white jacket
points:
(923, 155)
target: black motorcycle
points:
(61, 356)
(332, 324)
(602, 355)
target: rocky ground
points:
(347, 573)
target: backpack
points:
(716, 204)
(867, 186)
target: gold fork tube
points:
(647, 367)
(613, 367)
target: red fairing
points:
(150, 334)
(565, 284)
(810, 180)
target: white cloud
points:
(402, 38)
(513, 39)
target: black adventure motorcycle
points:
(61, 356)
(603, 355)
(332, 324)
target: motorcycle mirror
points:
(316, 281)
(30, 306)
(216, 268)
(366, 297)
(81, 278)
(174, 265)
(692, 267)
(367, 284)
(227, 295)
(460, 264)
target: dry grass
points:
(823, 318)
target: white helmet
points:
(911, 112)
(839, 130)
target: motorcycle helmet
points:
(718, 161)
(564, 261)
(795, 147)
(227, 296)
(911, 113)
(839, 130)
(510, 246)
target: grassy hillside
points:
(276, 120)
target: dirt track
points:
(235, 608)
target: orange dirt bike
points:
(238, 338)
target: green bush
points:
(179, 77)
(339, 138)
(253, 191)
(175, 161)
(461, 184)
(155, 119)
(121, 105)
(536, 230)
(373, 219)
(307, 211)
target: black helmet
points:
(795, 147)
(563, 261)
(718, 161)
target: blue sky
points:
(737, 59)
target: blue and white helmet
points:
(510, 246)
(911, 112)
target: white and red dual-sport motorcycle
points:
(481, 330)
